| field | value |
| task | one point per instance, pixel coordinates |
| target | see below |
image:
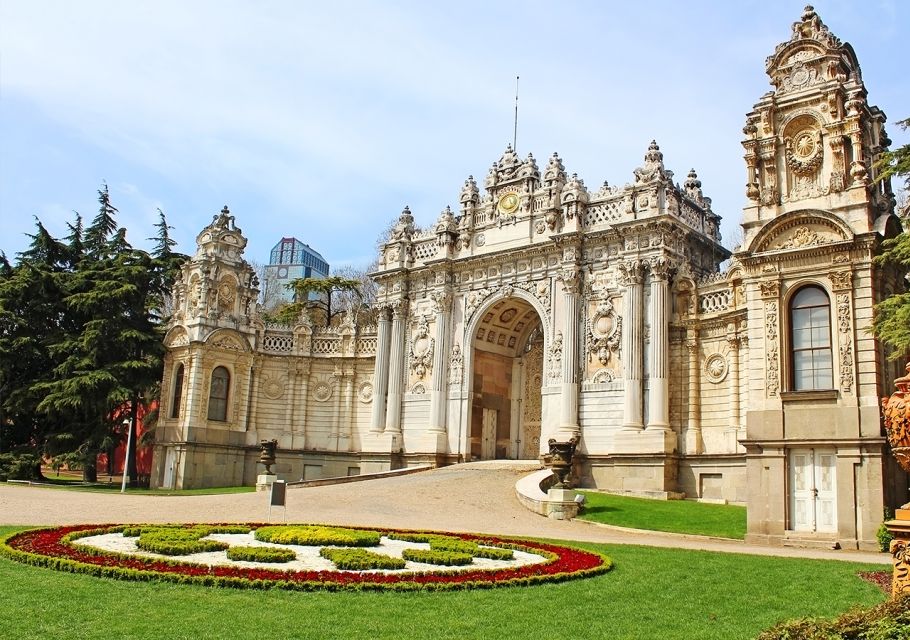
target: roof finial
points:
(515, 128)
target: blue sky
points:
(321, 120)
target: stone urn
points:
(267, 454)
(560, 460)
(896, 411)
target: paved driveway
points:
(473, 497)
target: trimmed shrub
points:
(19, 466)
(494, 553)
(429, 556)
(360, 559)
(316, 535)
(889, 620)
(170, 540)
(261, 554)
(455, 545)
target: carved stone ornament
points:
(365, 392)
(421, 351)
(322, 391)
(273, 385)
(804, 152)
(802, 237)
(772, 375)
(228, 343)
(841, 280)
(556, 357)
(769, 289)
(456, 365)
(715, 368)
(844, 326)
(604, 332)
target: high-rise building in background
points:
(290, 259)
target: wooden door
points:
(813, 490)
(488, 434)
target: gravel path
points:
(472, 497)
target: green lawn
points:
(676, 516)
(651, 593)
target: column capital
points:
(630, 271)
(399, 308)
(570, 278)
(660, 268)
(442, 300)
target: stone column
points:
(303, 372)
(396, 363)
(632, 346)
(658, 360)
(438, 399)
(380, 372)
(569, 408)
(735, 417)
(694, 443)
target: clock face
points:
(509, 203)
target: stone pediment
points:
(227, 341)
(800, 230)
(176, 337)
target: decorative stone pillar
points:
(770, 294)
(694, 444)
(632, 345)
(438, 399)
(568, 417)
(735, 413)
(396, 363)
(658, 360)
(303, 373)
(381, 372)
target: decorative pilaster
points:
(770, 294)
(735, 413)
(381, 372)
(570, 278)
(658, 361)
(842, 283)
(396, 363)
(438, 400)
(694, 444)
(632, 345)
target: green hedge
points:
(889, 620)
(316, 535)
(261, 554)
(429, 556)
(494, 553)
(170, 540)
(360, 559)
(456, 545)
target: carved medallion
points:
(716, 368)
(322, 391)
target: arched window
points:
(810, 333)
(218, 396)
(177, 394)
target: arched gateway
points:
(505, 378)
(539, 308)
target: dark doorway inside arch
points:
(507, 380)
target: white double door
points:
(813, 490)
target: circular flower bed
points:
(67, 549)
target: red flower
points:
(52, 548)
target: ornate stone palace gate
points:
(540, 308)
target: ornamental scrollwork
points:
(604, 332)
(421, 349)
(556, 357)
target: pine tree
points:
(892, 316)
